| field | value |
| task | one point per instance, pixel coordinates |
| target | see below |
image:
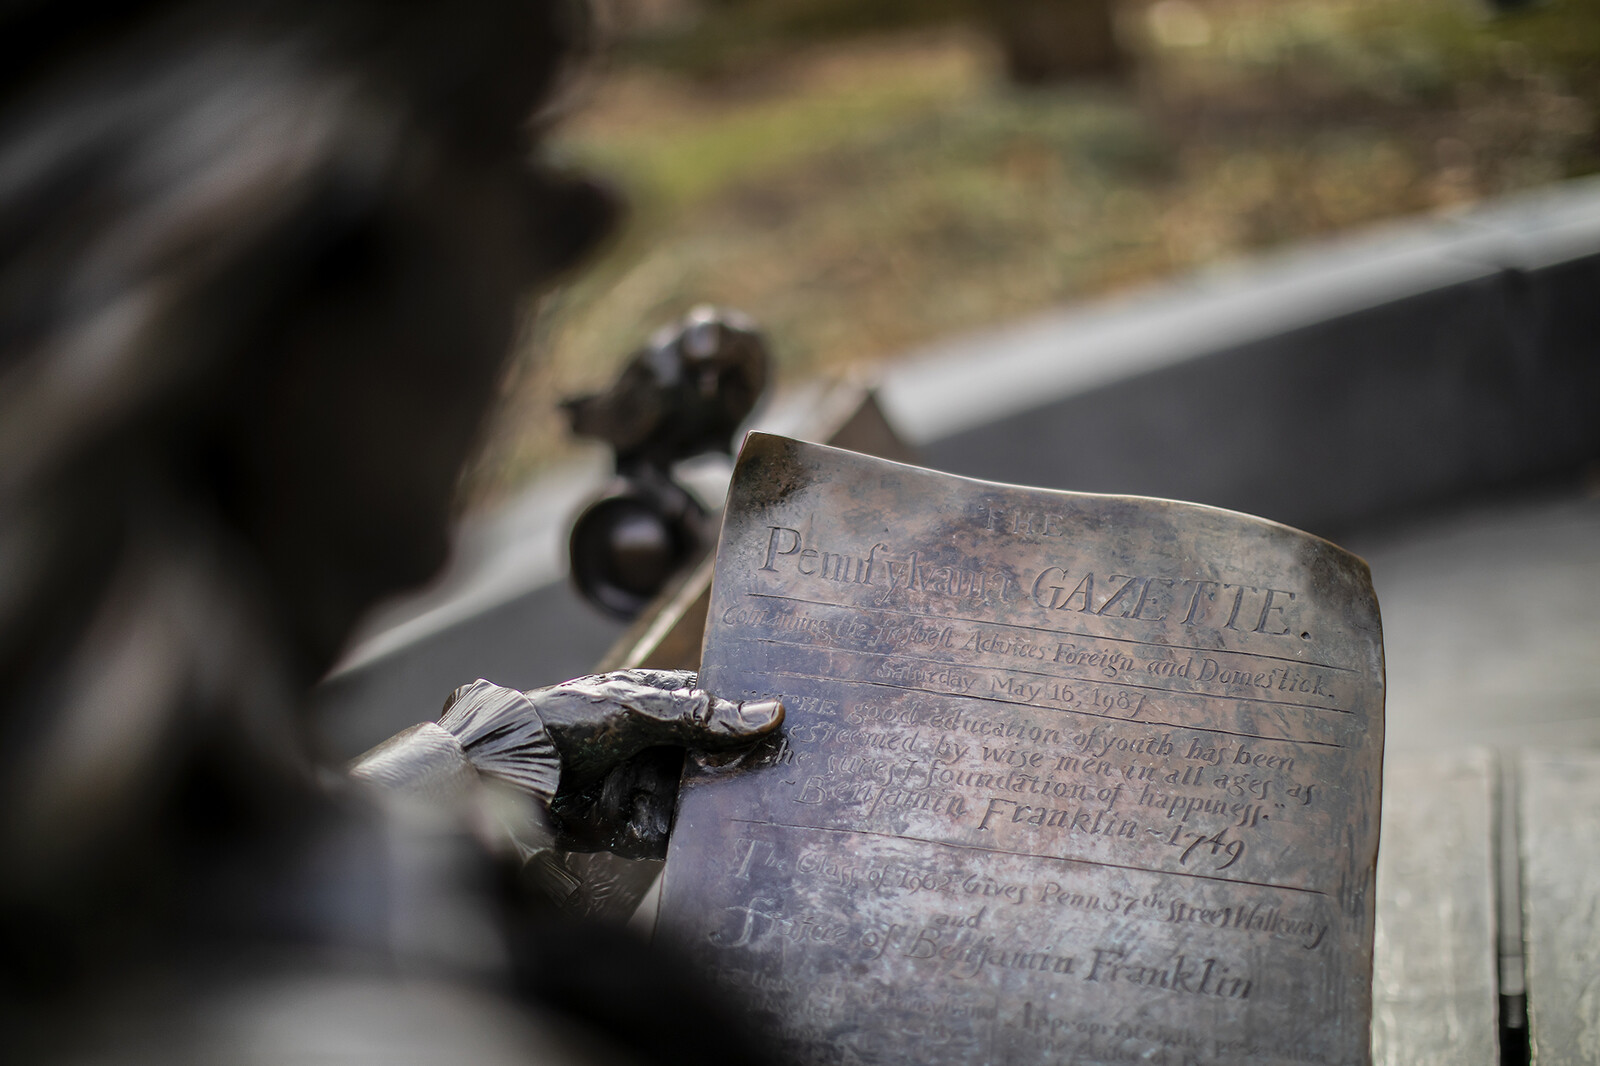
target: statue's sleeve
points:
(485, 733)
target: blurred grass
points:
(868, 194)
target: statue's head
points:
(270, 261)
(263, 263)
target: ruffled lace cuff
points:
(485, 730)
(503, 737)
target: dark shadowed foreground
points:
(263, 262)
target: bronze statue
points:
(262, 265)
(683, 395)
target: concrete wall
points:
(1387, 409)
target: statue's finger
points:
(645, 677)
(597, 722)
(627, 812)
(694, 717)
(734, 723)
(669, 680)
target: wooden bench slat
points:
(1434, 995)
(1560, 823)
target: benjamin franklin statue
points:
(261, 264)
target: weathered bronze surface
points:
(682, 395)
(1064, 778)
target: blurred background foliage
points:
(863, 176)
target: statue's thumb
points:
(731, 724)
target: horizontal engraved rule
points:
(1063, 777)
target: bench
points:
(1488, 930)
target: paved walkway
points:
(1491, 623)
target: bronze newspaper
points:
(1064, 778)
